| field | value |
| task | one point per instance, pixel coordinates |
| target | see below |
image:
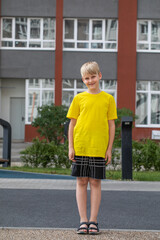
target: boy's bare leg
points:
(81, 196)
(95, 186)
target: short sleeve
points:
(112, 111)
(74, 109)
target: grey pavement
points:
(16, 148)
(54, 208)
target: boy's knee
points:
(82, 181)
(94, 182)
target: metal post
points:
(66, 125)
(126, 133)
(6, 142)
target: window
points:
(24, 33)
(148, 35)
(21, 32)
(72, 87)
(90, 34)
(48, 33)
(38, 92)
(34, 33)
(148, 104)
(7, 32)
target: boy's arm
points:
(108, 156)
(70, 139)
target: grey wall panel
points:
(148, 9)
(27, 64)
(148, 67)
(29, 8)
(72, 61)
(91, 8)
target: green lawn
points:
(40, 170)
(137, 176)
(113, 175)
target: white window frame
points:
(148, 41)
(40, 89)
(149, 92)
(28, 40)
(90, 41)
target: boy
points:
(91, 136)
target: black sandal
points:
(80, 229)
(93, 228)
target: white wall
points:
(0, 111)
(10, 88)
(0, 98)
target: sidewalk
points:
(63, 234)
(64, 184)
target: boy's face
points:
(92, 81)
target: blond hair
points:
(89, 68)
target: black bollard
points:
(126, 134)
(66, 125)
(6, 142)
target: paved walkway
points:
(46, 181)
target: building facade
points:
(44, 43)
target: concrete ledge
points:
(71, 185)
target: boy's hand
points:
(108, 156)
(71, 154)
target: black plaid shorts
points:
(94, 167)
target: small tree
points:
(50, 122)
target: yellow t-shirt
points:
(91, 133)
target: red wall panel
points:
(141, 133)
(58, 52)
(126, 66)
(30, 133)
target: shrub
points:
(62, 156)
(39, 154)
(157, 161)
(149, 154)
(115, 157)
(137, 157)
(50, 122)
(44, 154)
(146, 155)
